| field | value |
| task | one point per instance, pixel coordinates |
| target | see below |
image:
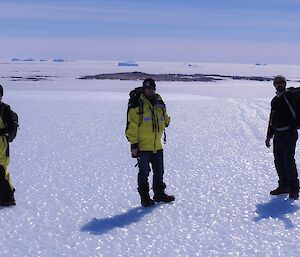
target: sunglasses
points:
(151, 88)
(279, 82)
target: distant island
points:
(172, 77)
(36, 60)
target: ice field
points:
(76, 182)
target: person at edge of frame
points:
(6, 125)
(283, 129)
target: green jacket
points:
(145, 130)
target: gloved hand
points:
(134, 152)
(268, 144)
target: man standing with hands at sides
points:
(283, 129)
(146, 121)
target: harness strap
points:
(290, 107)
(141, 111)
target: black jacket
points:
(281, 115)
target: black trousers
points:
(284, 158)
(6, 192)
(157, 163)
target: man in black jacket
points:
(6, 126)
(283, 127)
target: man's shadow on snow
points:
(277, 208)
(102, 226)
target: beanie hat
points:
(279, 78)
(149, 83)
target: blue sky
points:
(246, 31)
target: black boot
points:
(280, 190)
(294, 189)
(8, 201)
(294, 195)
(146, 201)
(7, 196)
(160, 195)
(283, 188)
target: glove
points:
(268, 144)
(134, 152)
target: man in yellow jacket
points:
(6, 125)
(146, 122)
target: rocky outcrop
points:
(171, 77)
(30, 78)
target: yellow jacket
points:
(146, 129)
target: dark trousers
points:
(284, 153)
(157, 163)
(6, 192)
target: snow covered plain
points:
(76, 183)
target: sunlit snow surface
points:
(76, 183)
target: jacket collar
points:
(280, 93)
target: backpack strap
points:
(3, 106)
(141, 111)
(290, 107)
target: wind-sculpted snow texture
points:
(76, 183)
